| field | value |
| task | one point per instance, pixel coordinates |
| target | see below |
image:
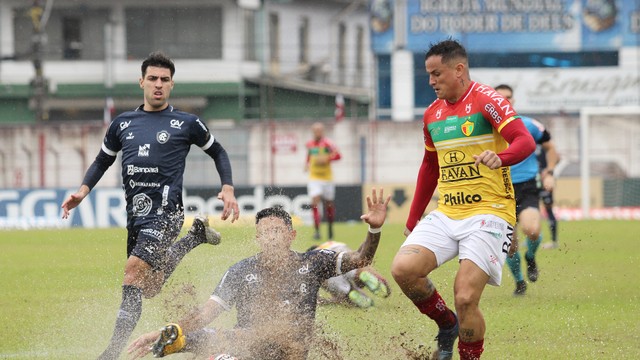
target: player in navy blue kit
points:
(527, 182)
(547, 199)
(154, 140)
(274, 292)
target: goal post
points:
(608, 134)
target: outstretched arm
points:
(99, 166)
(375, 217)
(223, 166)
(194, 321)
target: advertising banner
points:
(106, 207)
(511, 26)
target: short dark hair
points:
(158, 59)
(504, 87)
(449, 49)
(276, 211)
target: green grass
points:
(60, 290)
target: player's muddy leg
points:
(130, 308)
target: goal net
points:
(609, 162)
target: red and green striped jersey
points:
(457, 132)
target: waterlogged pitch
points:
(61, 291)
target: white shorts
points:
(483, 239)
(326, 189)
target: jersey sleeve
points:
(200, 134)
(536, 129)
(111, 143)
(504, 118)
(325, 262)
(227, 290)
(333, 151)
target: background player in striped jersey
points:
(471, 136)
(320, 153)
(527, 184)
(154, 140)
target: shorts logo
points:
(176, 124)
(163, 136)
(142, 204)
(467, 128)
(156, 234)
(461, 198)
(143, 150)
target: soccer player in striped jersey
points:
(321, 152)
(472, 135)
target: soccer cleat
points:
(446, 338)
(359, 299)
(170, 341)
(375, 284)
(551, 245)
(203, 231)
(532, 269)
(316, 235)
(521, 288)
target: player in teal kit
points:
(526, 183)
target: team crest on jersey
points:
(467, 128)
(142, 204)
(163, 136)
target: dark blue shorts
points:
(527, 195)
(150, 240)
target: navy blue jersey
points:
(154, 148)
(291, 291)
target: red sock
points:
(470, 350)
(316, 216)
(435, 308)
(331, 213)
